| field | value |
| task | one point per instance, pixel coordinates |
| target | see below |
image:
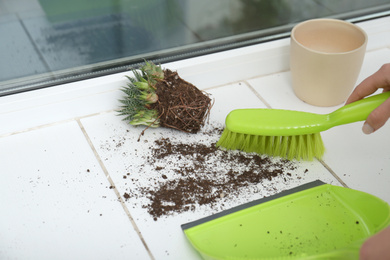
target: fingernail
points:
(367, 129)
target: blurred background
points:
(49, 42)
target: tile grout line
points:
(115, 189)
(257, 94)
(25, 130)
(244, 80)
(53, 124)
(333, 173)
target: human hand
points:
(377, 246)
(378, 80)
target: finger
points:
(376, 247)
(365, 88)
(377, 118)
(380, 79)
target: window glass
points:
(48, 42)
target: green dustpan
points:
(312, 221)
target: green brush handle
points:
(278, 122)
(357, 111)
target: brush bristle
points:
(299, 147)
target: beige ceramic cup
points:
(326, 56)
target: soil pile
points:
(192, 175)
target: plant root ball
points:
(180, 104)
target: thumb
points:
(377, 118)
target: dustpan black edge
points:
(252, 203)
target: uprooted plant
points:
(159, 97)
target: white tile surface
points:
(277, 91)
(373, 60)
(361, 161)
(237, 95)
(56, 202)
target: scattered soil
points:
(193, 175)
(180, 104)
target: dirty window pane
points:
(48, 42)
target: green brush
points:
(290, 134)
